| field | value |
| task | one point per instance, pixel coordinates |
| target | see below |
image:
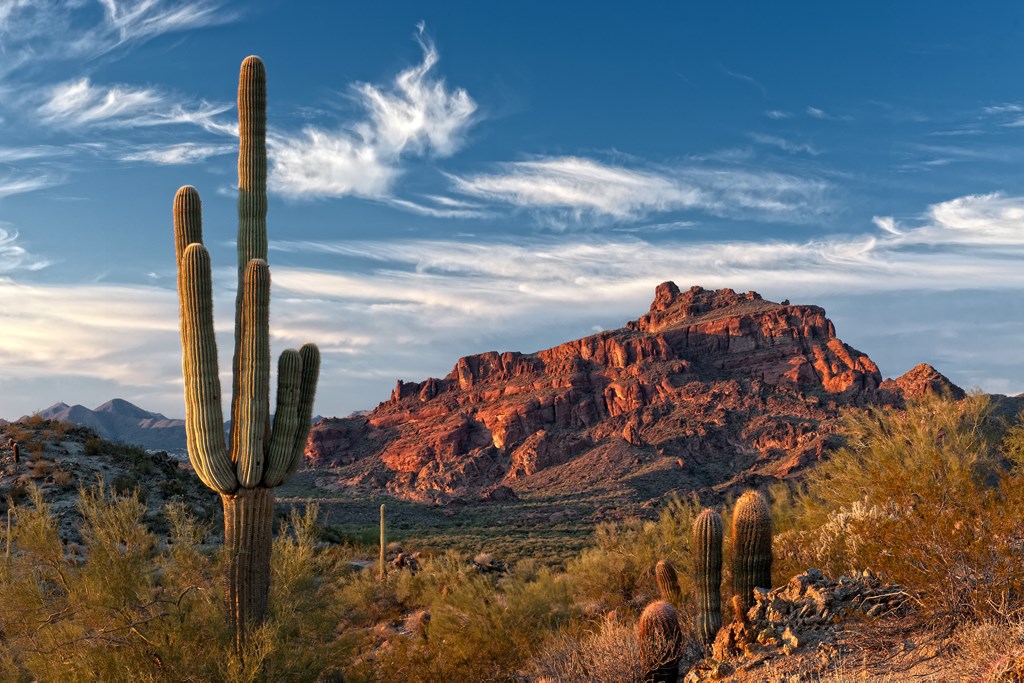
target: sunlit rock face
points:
(707, 390)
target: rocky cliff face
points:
(706, 390)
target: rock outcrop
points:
(708, 389)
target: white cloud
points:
(777, 114)
(35, 31)
(416, 115)
(183, 153)
(582, 188)
(80, 103)
(784, 144)
(11, 185)
(14, 257)
(137, 20)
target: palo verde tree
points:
(257, 458)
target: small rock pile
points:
(800, 616)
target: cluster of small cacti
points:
(258, 458)
(751, 567)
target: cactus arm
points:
(249, 435)
(307, 393)
(286, 418)
(188, 221)
(204, 420)
(252, 195)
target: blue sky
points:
(463, 177)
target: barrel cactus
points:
(668, 582)
(707, 557)
(751, 547)
(661, 641)
(256, 458)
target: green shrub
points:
(924, 498)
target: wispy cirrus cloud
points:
(415, 115)
(177, 154)
(80, 103)
(138, 20)
(13, 256)
(579, 188)
(785, 145)
(11, 185)
(28, 27)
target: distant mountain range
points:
(119, 420)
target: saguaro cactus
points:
(751, 548)
(259, 458)
(661, 641)
(707, 560)
(382, 569)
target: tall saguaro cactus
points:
(257, 458)
(751, 548)
(707, 560)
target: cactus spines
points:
(668, 582)
(256, 458)
(707, 556)
(661, 640)
(751, 547)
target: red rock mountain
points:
(707, 390)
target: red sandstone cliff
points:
(707, 389)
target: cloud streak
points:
(578, 189)
(80, 103)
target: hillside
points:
(59, 459)
(706, 392)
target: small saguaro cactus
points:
(661, 641)
(751, 548)
(257, 459)
(16, 451)
(668, 582)
(707, 560)
(383, 543)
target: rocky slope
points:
(60, 459)
(707, 390)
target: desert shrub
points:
(924, 498)
(617, 572)
(482, 626)
(132, 610)
(63, 478)
(93, 445)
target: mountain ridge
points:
(707, 390)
